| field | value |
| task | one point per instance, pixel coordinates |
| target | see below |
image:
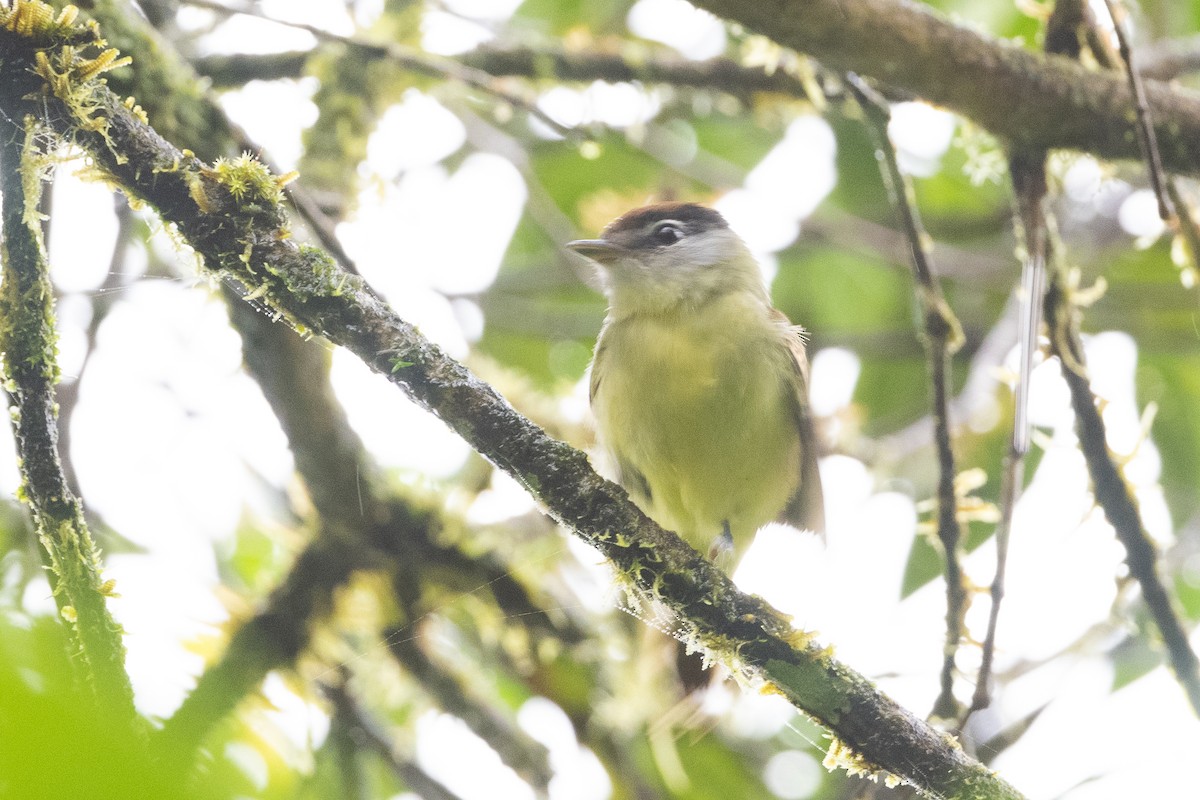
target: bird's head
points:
(662, 257)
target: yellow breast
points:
(699, 404)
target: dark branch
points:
(1113, 494)
(1147, 140)
(942, 335)
(30, 371)
(1034, 101)
(719, 74)
(348, 713)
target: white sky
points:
(172, 440)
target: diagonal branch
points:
(349, 714)
(1113, 494)
(359, 525)
(231, 214)
(1147, 141)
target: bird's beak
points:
(599, 250)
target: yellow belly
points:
(699, 405)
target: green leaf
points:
(1173, 383)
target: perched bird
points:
(699, 385)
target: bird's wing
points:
(598, 360)
(806, 509)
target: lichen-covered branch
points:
(230, 214)
(30, 371)
(358, 525)
(1032, 100)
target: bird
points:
(699, 386)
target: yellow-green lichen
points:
(37, 21)
(842, 756)
(70, 57)
(247, 178)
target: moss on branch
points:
(28, 343)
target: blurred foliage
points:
(845, 278)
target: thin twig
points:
(418, 62)
(1028, 172)
(1173, 209)
(528, 757)
(366, 730)
(942, 335)
(1011, 474)
(1113, 494)
(1145, 127)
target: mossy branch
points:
(358, 526)
(231, 215)
(30, 371)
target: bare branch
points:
(1033, 100)
(417, 61)
(348, 713)
(1113, 494)
(942, 336)
(1145, 127)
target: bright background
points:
(455, 214)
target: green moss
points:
(38, 22)
(28, 339)
(248, 179)
(315, 275)
(173, 94)
(70, 57)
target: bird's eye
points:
(667, 233)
